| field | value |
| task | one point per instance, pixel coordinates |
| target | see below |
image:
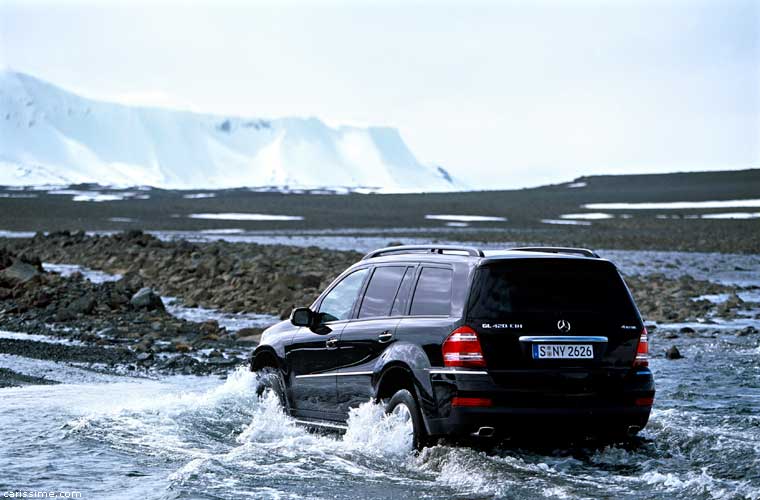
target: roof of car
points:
(475, 256)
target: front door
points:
(311, 354)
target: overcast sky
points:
(503, 94)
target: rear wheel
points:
(271, 379)
(405, 408)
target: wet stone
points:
(750, 330)
(147, 299)
(20, 272)
(673, 353)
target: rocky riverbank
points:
(233, 277)
(107, 325)
(124, 322)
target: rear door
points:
(553, 314)
(312, 354)
(432, 313)
(364, 338)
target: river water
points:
(195, 437)
(111, 437)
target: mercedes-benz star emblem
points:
(563, 325)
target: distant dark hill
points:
(682, 186)
(547, 214)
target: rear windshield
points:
(549, 286)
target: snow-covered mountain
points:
(51, 136)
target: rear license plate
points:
(563, 351)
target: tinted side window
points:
(381, 291)
(338, 303)
(433, 293)
(402, 297)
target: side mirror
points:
(302, 316)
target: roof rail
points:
(575, 251)
(438, 249)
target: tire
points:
(403, 402)
(271, 379)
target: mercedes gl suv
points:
(523, 342)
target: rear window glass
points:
(381, 291)
(541, 286)
(402, 297)
(433, 293)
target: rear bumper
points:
(572, 404)
(515, 422)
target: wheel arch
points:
(395, 376)
(264, 357)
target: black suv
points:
(521, 342)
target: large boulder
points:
(83, 305)
(147, 299)
(19, 272)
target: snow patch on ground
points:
(222, 231)
(97, 196)
(17, 195)
(467, 218)
(733, 215)
(16, 234)
(249, 217)
(198, 196)
(677, 205)
(587, 216)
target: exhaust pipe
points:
(484, 432)
(633, 430)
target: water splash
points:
(372, 431)
(199, 437)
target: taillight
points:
(459, 401)
(462, 349)
(642, 351)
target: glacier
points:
(50, 136)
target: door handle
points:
(331, 343)
(385, 336)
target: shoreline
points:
(105, 325)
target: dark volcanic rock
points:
(665, 299)
(234, 277)
(147, 299)
(60, 352)
(749, 330)
(83, 305)
(673, 353)
(9, 378)
(101, 317)
(19, 272)
(182, 364)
